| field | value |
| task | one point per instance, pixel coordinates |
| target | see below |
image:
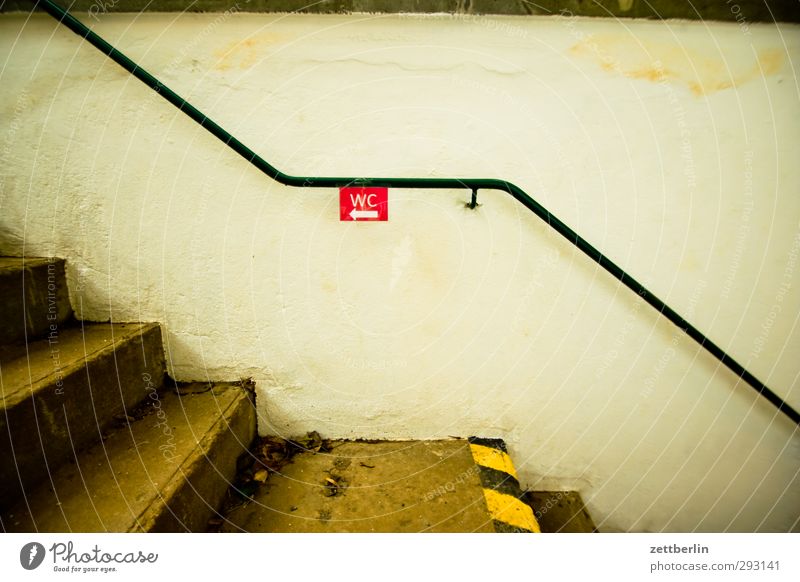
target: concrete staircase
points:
(93, 435)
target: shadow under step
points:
(167, 471)
(561, 512)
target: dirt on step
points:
(317, 485)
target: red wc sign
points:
(363, 204)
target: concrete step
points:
(383, 486)
(165, 470)
(60, 393)
(33, 298)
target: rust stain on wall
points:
(244, 54)
(703, 71)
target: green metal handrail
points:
(473, 184)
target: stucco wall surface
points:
(670, 146)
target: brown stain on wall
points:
(245, 53)
(703, 72)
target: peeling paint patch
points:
(702, 71)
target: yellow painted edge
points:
(510, 510)
(493, 458)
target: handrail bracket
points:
(474, 201)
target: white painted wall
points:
(672, 147)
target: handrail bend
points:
(473, 184)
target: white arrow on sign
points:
(356, 214)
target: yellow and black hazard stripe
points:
(504, 496)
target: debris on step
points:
(248, 384)
(334, 485)
(194, 388)
(267, 455)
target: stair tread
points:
(386, 486)
(116, 482)
(23, 368)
